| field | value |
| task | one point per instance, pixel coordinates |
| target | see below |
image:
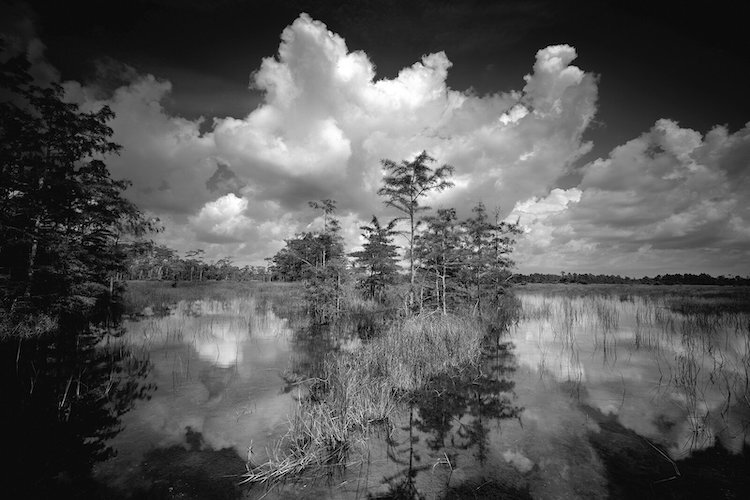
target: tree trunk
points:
(411, 251)
(338, 292)
(30, 270)
(443, 279)
(437, 290)
(32, 259)
(445, 310)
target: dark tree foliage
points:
(61, 219)
(326, 278)
(405, 184)
(440, 255)
(61, 214)
(193, 261)
(330, 243)
(146, 260)
(318, 260)
(488, 245)
(62, 407)
(466, 263)
(328, 207)
(377, 259)
(297, 259)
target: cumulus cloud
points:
(326, 121)
(222, 220)
(671, 200)
(165, 157)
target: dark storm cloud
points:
(224, 181)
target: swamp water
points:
(585, 397)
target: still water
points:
(216, 367)
(585, 397)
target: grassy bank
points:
(363, 389)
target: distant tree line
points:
(146, 260)
(661, 279)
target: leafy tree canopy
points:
(378, 258)
(404, 185)
(61, 214)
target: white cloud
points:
(667, 201)
(670, 195)
(321, 131)
(553, 78)
(165, 157)
(222, 220)
(535, 209)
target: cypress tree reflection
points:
(460, 408)
(64, 398)
(455, 414)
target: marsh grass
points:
(365, 318)
(28, 326)
(160, 296)
(361, 390)
(419, 347)
(698, 336)
(328, 430)
(654, 315)
(318, 440)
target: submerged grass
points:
(702, 313)
(713, 299)
(362, 389)
(700, 341)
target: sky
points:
(616, 134)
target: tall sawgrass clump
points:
(412, 351)
(362, 389)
